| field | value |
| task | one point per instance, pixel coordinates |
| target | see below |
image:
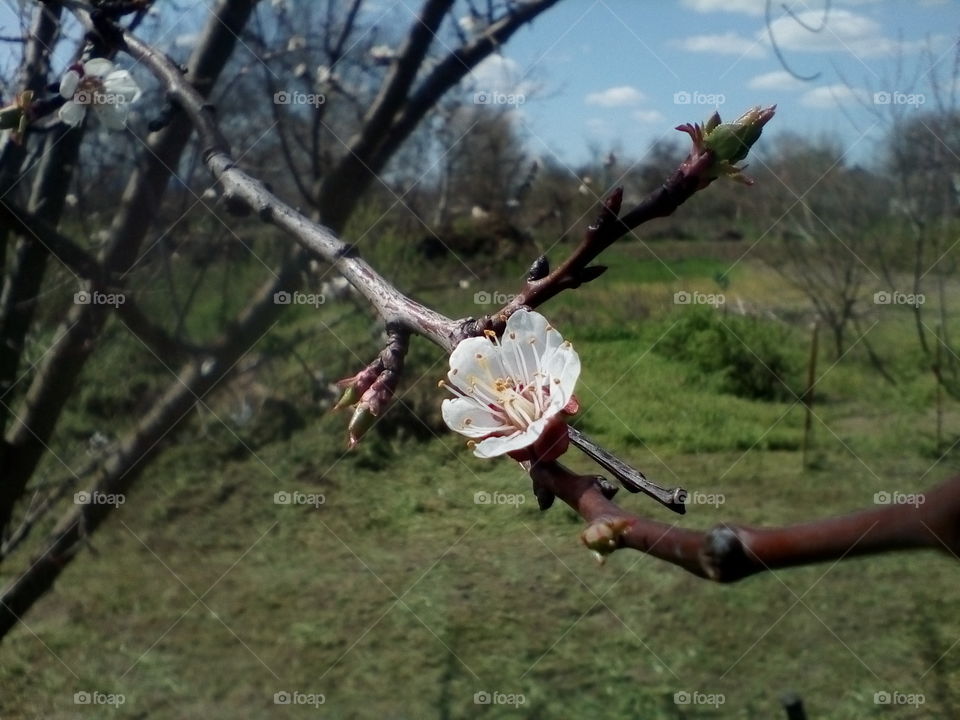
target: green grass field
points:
(401, 597)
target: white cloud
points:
(499, 74)
(187, 40)
(756, 7)
(648, 117)
(844, 32)
(776, 80)
(832, 96)
(621, 96)
(729, 43)
(747, 7)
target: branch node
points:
(606, 488)
(590, 273)
(723, 555)
(539, 269)
(604, 535)
(545, 496)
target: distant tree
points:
(920, 157)
(824, 241)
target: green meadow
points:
(390, 592)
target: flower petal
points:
(122, 84)
(471, 418)
(520, 358)
(72, 113)
(521, 349)
(529, 341)
(98, 67)
(535, 324)
(494, 446)
(473, 357)
(527, 321)
(69, 83)
(113, 116)
(563, 371)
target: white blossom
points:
(382, 54)
(513, 391)
(98, 84)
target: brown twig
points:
(631, 478)
(730, 552)
(609, 227)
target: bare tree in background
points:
(922, 183)
(828, 234)
(332, 151)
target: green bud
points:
(14, 114)
(362, 420)
(712, 121)
(730, 142)
(16, 117)
(350, 397)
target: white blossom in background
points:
(323, 74)
(98, 84)
(478, 212)
(337, 289)
(382, 54)
(514, 394)
(471, 24)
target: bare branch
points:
(732, 552)
(367, 156)
(239, 187)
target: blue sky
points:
(616, 73)
(607, 71)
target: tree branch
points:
(730, 552)
(367, 156)
(242, 189)
(716, 148)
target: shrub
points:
(746, 356)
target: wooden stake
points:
(808, 393)
(939, 394)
